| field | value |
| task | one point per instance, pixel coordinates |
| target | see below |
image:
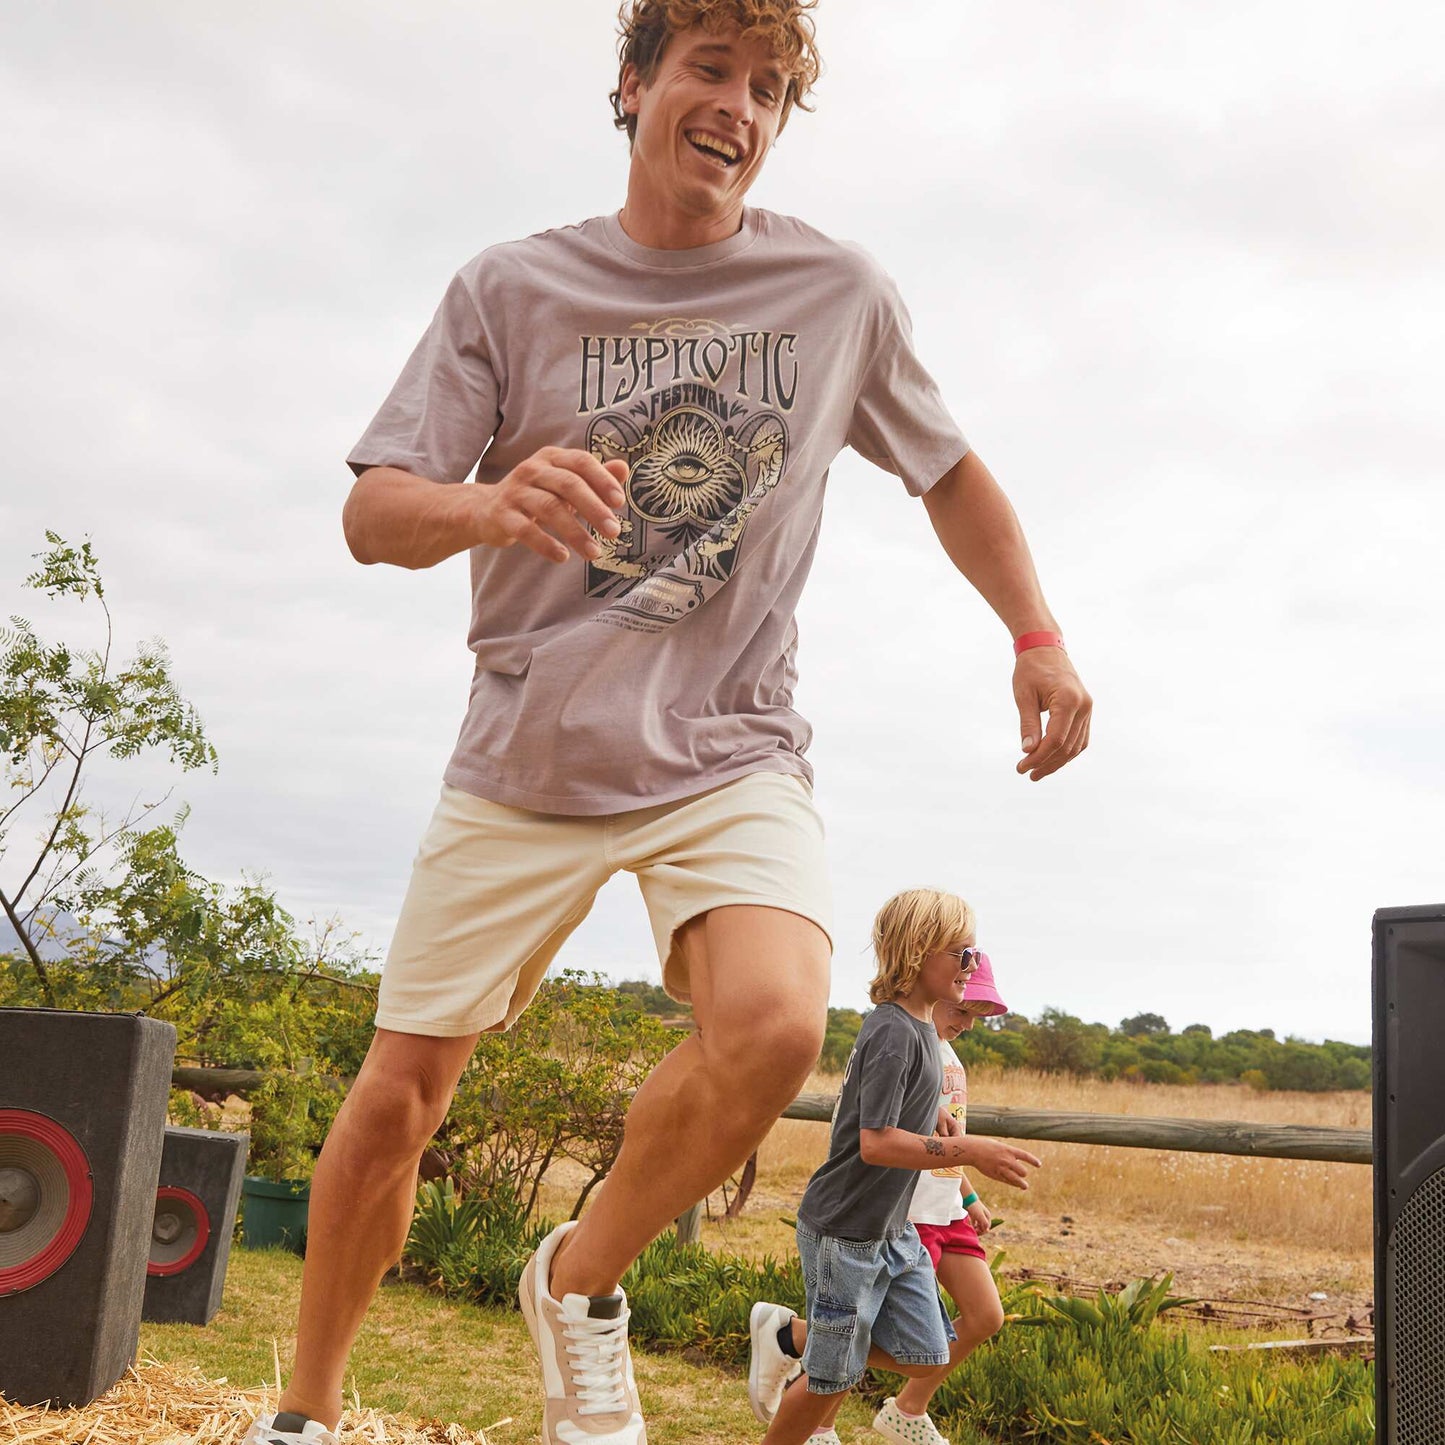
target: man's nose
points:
(736, 103)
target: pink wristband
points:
(1037, 639)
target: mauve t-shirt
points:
(728, 377)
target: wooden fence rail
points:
(1133, 1131)
(1126, 1131)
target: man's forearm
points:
(982, 536)
(394, 516)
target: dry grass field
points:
(1232, 1228)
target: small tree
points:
(556, 1085)
(1060, 1043)
(1149, 1025)
(63, 708)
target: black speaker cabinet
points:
(196, 1198)
(1409, 1102)
(82, 1121)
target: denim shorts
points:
(869, 1292)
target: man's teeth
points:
(711, 143)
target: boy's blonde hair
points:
(909, 927)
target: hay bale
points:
(155, 1404)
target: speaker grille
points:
(1417, 1327)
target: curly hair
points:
(909, 927)
(647, 25)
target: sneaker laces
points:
(598, 1351)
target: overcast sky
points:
(1176, 267)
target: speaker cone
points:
(180, 1231)
(45, 1198)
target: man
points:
(655, 398)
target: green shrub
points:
(1110, 1372)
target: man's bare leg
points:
(362, 1199)
(760, 995)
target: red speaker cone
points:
(45, 1198)
(182, 1227)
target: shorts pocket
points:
(833, 1353)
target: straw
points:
(157, 1404)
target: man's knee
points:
(771, 1059)
(400, 1099)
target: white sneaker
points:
(590, 1393)
(824, 1437)
(769, 1369)
(287, 1429)
(892, 1424)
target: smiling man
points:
(651, 401)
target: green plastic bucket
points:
(275, 1213)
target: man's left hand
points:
(1045, 682)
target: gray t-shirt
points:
(728, 377)
(892, 1081)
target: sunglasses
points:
(967, 957)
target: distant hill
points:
(50, 949)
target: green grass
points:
(433, 1358)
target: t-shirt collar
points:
(688, 258)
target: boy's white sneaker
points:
(892, 1424)
(287, 1429)
(587, 1381)
(769, 1369)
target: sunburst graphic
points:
(687, 480)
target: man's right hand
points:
(548, 501)
(1005, 1162)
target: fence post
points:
(689, 1223)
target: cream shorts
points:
(496, 891)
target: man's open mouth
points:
(717, 150)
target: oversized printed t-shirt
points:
(892, 1081)
(938, 1198)
(727, 377)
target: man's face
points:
(707, 121)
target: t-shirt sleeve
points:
(881, 1082)
(900, 422)
(443, 410)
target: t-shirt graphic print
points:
(728, 377)
(703, 451)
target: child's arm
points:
(898, 1149)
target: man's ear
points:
(631, 88)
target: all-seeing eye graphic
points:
(693, 482)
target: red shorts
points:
(960, 1237)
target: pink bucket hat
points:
(981, 988)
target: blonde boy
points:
(950, 1217)
(872, 1297)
